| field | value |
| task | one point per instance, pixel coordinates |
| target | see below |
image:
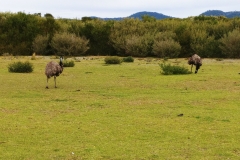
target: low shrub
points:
(128, 59)
(6, 54)
(168, 69)
(219, 59)
(68, 63)
(165, 58)
(113, 60)
(20, 67)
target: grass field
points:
(127, 111)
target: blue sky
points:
(117, 8)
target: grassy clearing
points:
(127, 111)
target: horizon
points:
(123, 16)
(118, 8)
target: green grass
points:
(126, 111)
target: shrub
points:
(113, 60)
(165, 45)
(230, 43)
(69, 44)
(128, 59)
(167, 48)
(165, 58)
(6, 54)
(69, 63)
(168, 69)
(219, 59)
(20, 67)
(139, 45)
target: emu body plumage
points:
(53, 69)
(195, 60)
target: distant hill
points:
(231, 14)
(151, 14)
(162, 16)
(139, 16)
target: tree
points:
(165, 46)
(17, 33)
(69, 44)
(50, 27)
(139, 45)
(184, 38)
(98, 31)
(147, 18)
(129, 29)
(230, 44)
(40, 44)
(168, 48)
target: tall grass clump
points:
(128, 59)
(168, 69)
(20, 67)
(33, 56)
(69, 63)
(113, 60)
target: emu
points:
(53, 69)
(195, 60)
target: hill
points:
(158, 16)
(230, 14)
(140, 14)
(151, 14)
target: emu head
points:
(61, 61)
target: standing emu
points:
(195, 60)
(54, 69)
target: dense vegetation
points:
(23, 34)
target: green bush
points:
(168, 69)
(166, 45)
(230, 43)
(68, 63)
(69, 44)
(20, 67)
(168, 48)
(128, 59)
(219, 59)
(139, 45)
(113, 60)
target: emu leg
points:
(47, 83)
(196, 69)
(55, 81)
(191, 67)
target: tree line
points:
(208, 36)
